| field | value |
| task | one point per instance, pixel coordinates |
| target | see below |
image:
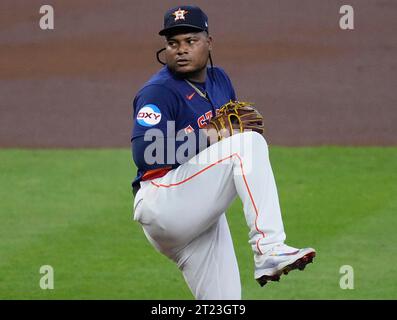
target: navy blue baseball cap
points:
(184, 17)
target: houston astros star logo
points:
(180, 14)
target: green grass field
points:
(71, 209)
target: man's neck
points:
(198, 76)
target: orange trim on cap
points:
(245, 182)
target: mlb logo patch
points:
(149, 115)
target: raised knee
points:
(247, 143)
(255, 138)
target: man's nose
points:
(183, 48)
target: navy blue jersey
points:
(168, 110)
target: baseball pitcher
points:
(197, 148)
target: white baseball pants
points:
(183, 212)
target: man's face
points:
(188, 52)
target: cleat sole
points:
(298, 264)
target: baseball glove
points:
(236, 117)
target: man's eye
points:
(191, 41)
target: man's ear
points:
(210, 40)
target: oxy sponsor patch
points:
(149, 115)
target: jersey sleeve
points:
(154, 106)
(232, 93)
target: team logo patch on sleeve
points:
(149, 115)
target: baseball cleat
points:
(280, 260)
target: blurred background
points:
(315, 83)
(329, 101)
